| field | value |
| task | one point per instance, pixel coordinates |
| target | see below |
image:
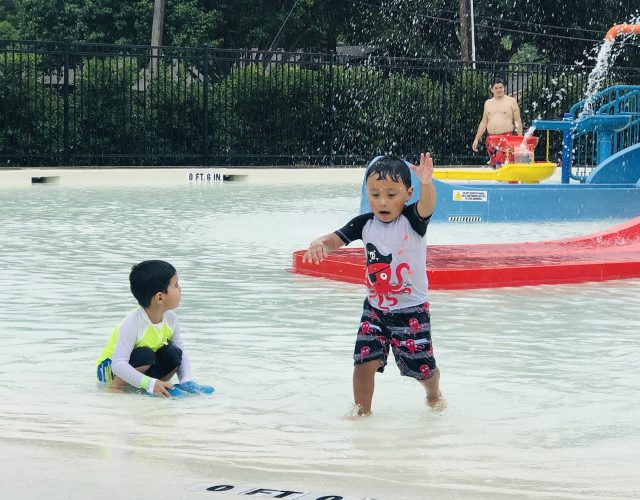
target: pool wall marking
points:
(94, 177)
(292, 494)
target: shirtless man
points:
(501, 114)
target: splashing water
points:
(528, 134)
(604, 60)
(597, 75)
(522, 151)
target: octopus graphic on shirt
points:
(379, 276)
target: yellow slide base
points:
(529, 173)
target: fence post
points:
(332, 117)
(65, 93)
(205, 104)
(567, 151)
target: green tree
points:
(102, 21)
(312, 25)
(192, 23)
(8, 31)
(115, 21)
(564, 32)
(188, 22)
(409, 28)
(49, 20)
(255, 23)
(7, 10)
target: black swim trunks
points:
(407, 331)
(161, 362)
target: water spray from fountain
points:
(605, 59)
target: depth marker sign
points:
(271, 493)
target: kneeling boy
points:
(145, 350)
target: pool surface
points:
(542, 382)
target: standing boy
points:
(145, 350)
(396, 313)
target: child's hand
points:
(424, 171)
(316, 252)
(161, 388)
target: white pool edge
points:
(174, 176)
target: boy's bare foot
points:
(356, 412)
(437, 403)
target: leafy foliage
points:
(188, 24)
(562, 32)
(7, 31)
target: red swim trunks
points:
(497, 155)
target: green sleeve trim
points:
(144, 382)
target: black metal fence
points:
(66, 103)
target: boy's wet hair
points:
(496, 81)
(148, 278)
(391, 167)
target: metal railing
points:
(65, 103)
(615, 100)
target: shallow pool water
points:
(542, 382)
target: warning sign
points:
(461, 195)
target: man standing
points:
(501, 115)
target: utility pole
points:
(465, 28)
(473, 35)
(156, 30)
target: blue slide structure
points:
(621, 168)
(605, 141)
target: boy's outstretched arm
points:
(321, 247)
(424, 171)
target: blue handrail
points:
(594, 146)
(616, 91)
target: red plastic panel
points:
(610, 254)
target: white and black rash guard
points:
(396, 254)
